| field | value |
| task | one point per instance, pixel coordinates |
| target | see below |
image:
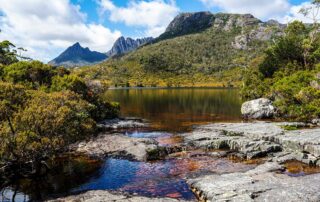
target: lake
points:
(178, 109)
(170, 112)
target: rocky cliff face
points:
(187, 23)
(76, 55)
(125, 45)
(251, 27)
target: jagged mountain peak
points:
(76, 55)
(124, 45)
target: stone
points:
(124, 123)
(107, 196)
(316, 122)
(118, 145)
(251, 139)
(259, 184)
(258, 109)
(259, 139)
(305, 140)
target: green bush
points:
(32, 74)
(288, 74)
(69, 82)
(295, 97)
(44, 126)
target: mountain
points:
(196, 49)
(76, 55)
(125, 45)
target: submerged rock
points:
(259, 184)
(107, 196)
(118, 145)
(123, 123)
(258, 109)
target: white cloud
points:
(47, 27)
(152, 15)
(294, 14)
(263, 9)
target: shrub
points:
(47, 123)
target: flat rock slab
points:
(124, 123)
(106, 196)
(259, 184)
(256, 139)
(307, 140)
(253, 130)
(117, 145)
(251, 139)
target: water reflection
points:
(68, 173)
(296, 169)
(159, 179)
(177, 110)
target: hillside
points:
(197, 49)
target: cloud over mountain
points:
(153, 15)
(44, 27)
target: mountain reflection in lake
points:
(178, 109)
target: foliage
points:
(7, 55)
(288, 48)
(289, 73)
(295, 98)
(254, 85)
(69, 82)
(32, 74)
(47, 123)
(12, 98)
(43, 109)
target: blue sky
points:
(47, 27)
(90, 7)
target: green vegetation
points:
(204, 58)
(43, 110)
(289, 73)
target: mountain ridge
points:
(124, 45)
(76, 55)
(197, 49)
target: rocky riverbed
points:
(264, 183)
(246, 141)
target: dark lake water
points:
(179, 109)
(170, 112)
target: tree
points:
(43, 127)
(7, 55)
(70, 82)
(12, 98)
(295, 46)
(33, 74)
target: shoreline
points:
(172, 88)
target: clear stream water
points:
(170, 112)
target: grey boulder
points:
(258, 109)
